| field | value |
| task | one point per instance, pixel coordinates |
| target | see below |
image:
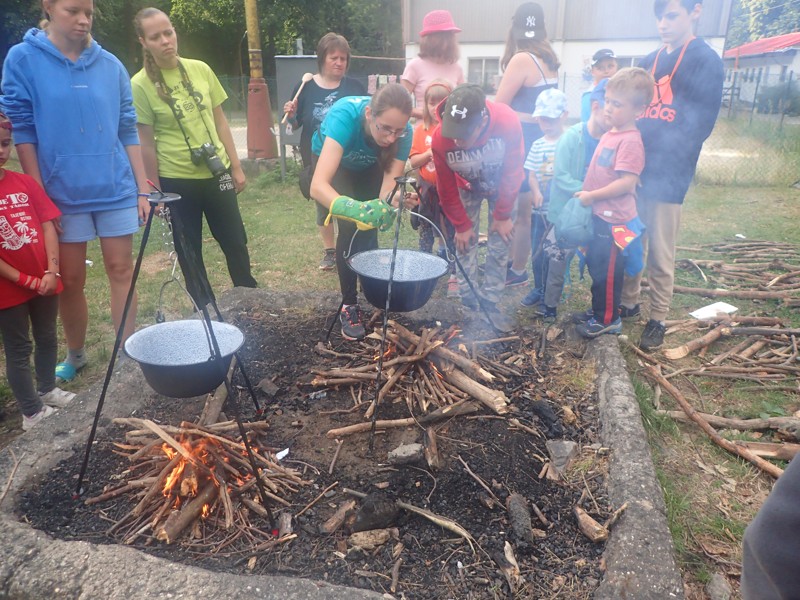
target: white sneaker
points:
(57, 398)
(29, 423)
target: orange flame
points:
(206, 511)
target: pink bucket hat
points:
(436, 21)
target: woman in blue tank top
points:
(530, 66)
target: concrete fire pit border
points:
(639, 555)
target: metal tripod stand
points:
(201, 283)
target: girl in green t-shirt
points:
(188, 149)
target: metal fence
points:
(756, 140)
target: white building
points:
(576, 29)
(752, 68)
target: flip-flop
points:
(65, 372)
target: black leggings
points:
(216, 199)
(359, 185)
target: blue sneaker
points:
(546, 313)
(594, 328)
(514, 279)
(532, 298)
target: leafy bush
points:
(784, 98)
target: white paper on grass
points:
(711, 311)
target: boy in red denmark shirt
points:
(478, 154)
(29, 282)
(610, 187)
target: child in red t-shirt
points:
(610, 189)
(29, 282)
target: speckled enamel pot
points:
(176, 356)
(413, 282)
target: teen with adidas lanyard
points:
(688, 92)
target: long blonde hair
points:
(45, 22)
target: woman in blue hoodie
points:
(75, 128)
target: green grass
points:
(740, 153)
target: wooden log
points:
(589, 527)
(776, 451)
(338, 518)
(213, 405)
(712, 433)
(495, 400)
(366, 426)
(743, 294)
(431, 449)
(461, 361)
(695, 344)
(178, 521)
(462, 407)
(738, 424)
(519, 517)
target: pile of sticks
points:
(197, 479)
(767, 352)
(419, 369)
(754, 270)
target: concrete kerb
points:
(639, 554)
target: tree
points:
(756, 19)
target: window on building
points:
(784, 68)
(628, 61)
(485, 72)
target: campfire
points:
(197, 479)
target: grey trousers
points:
(496, 266)
(556, 273)
(38, 314)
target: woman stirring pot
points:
(361, 146)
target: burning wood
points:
(198, 479)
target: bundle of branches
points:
(197, 479)
(767, 353)
(752, 270)
(418, 368)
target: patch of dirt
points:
(561, 563)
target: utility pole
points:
(260, 139)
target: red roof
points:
(773, 44)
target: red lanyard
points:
(668, 81)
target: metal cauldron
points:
(415, 277)
(176, 356)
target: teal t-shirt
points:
(343, 123)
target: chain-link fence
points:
(756, 140)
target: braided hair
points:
(151, 69)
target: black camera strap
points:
(197, 98)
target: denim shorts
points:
(84, 227)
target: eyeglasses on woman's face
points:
(386, 130)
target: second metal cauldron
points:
(415, 277)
